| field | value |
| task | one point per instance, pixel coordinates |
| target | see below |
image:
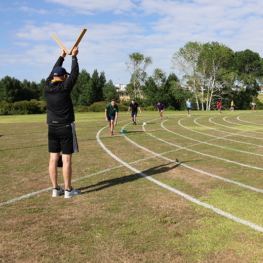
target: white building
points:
(123, 94)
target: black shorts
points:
(62, 138)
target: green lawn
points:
(123, 217)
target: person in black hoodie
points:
(60, 120)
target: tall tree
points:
(159, 76)
(83, 80)
(10, 89)
(110, 92)
(186, 61)
(218, 62)
(137, 65)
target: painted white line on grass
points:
(249, 121)
(188, 197)
(205, 154)
(50, 188)
(189, 167)
(185, 165)
(231, 134)
(210, 120)
(214, 145)
(240, 124)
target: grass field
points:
(175, 190)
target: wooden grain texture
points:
(59, 42)
(78, 40)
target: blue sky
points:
(156, 28)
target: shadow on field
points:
(128, 178)
(1, 135)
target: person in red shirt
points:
(219, 105)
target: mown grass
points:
(122, 217)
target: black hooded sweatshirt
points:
(57, 93)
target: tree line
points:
(212, 70)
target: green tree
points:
(110, 92)
(10, 89)
(186, 60)
(159, 76)
(83, 80)
(137, 65)
(218, 61)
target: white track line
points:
(189, 167)
(188, 197)
(235, 129)
(214, 145)
(205, 154)
(75, 180)
(239, 124)
(237, 134)
(230, 133)
(50, 188)
(249, 121)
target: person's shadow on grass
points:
(128, 178)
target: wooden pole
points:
(58, 41)
(78, 40)
(76, 43)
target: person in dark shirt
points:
(60, 120)
(160, 108)
(111, 114)
(135, 108)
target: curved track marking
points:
(239, 124)
(75, 180)
(205, 154)
(223, 138)
(188, 197)
(235, 129)
(237, 134)
(249, 121)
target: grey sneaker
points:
(57, 192)
(72, 193)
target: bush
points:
(5, 108)
(100, 106)
(151, 108)
(23, 107)
(81, 109)
(170, 108)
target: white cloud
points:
(32, 10)
(89, 6)
(106, 46)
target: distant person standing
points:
(232, 108)
(160, 108)
(219, 106)
(253, 106)
(60, 120)
(111, 114)
(189, 106)
(135, 108)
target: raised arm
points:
(59, 63)
(71, 80)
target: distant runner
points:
(189, 106)
(253, 106)
(232, 108)
(135, 108)
(111, 114)
(160, 108)
(219, 105)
